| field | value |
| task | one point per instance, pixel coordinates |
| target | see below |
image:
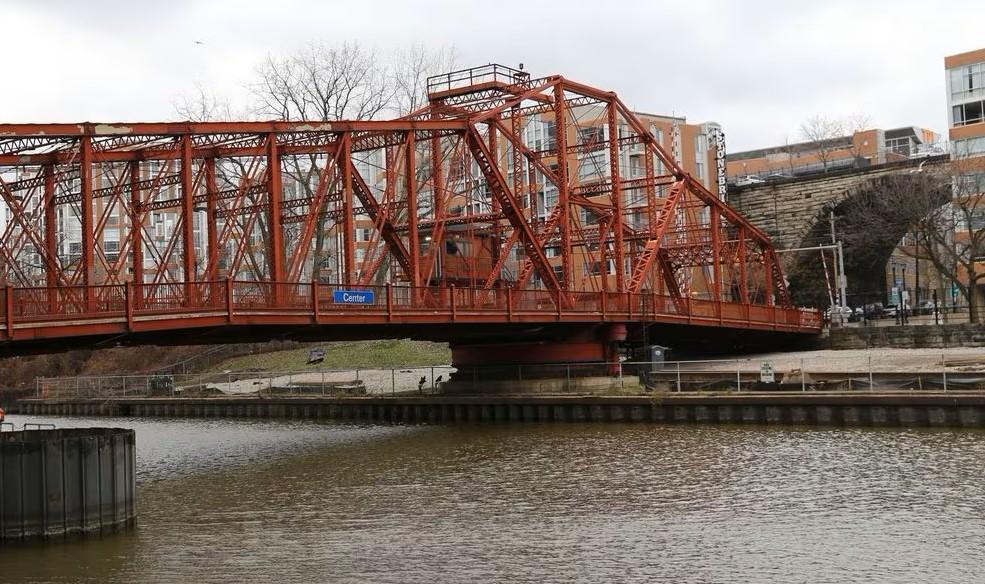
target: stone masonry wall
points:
(787, 209)
(906, 337)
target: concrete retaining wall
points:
(856, 409)
(59, 482)
(906, 337)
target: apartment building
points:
(857, 150)
(966, 118)
(965, 83)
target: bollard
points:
(944, 370)
(738, 378)
(678, 376)
(803, 377)
(871, 384)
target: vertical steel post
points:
(314, 299)
(50, 238)
(88, 237)
(136, 233)
(211, 221)
(743, 275)
(188, 216)
(276, 192)
(413, 240)
(348, 221)
(678, 375)
(716, 259)
(615, 179)
(564, 224)
(389, 301)
(9, 309)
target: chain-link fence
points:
(941, 372)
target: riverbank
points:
(902, 409)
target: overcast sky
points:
(759, 68)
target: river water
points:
(292, 501)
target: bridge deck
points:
(31, 314)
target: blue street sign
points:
(353, 296)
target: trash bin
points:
(654, 356)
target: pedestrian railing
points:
(948, 373)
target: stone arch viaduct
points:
(794, 212)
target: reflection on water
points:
(276, 501)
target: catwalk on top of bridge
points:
(501, 181)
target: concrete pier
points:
(903, 409)
(60, 482)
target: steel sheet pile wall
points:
(59, 482)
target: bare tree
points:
(942, 210)
(823, 133)
(335, 82)
(853, 125)
(202, 105)
(411, 68)
(324, 83)
(952, 236)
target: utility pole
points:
(841, 285)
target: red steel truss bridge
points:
(509, 208)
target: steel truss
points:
(553, 185)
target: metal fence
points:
(961, 371)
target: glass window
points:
(969, 146)
(970, 183)
(968, 113)
(593, 165)
(967, 80)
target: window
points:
(701, 156)
(552, 251)
(588, 217)
(363, 233)
(546, 201)
(111, 247)
(969, 184)
(592, 135)
(540, 135)
(969, 146)
(550, 137)
(967, 80)
(901, 146)
(559, 272)
(595, 267)
(594, 165)
(75, 248)
(968, 113)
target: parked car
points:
(748, 180)
(890, 311)
(925, 307)
(872, 310)
(837, 313)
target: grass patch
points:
(345, 355)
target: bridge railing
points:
(130, 300)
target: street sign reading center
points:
(353, 296)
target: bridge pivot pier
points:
(585, 358)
